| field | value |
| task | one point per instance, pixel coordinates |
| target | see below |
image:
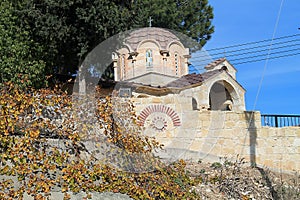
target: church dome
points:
(151, 55)
(163, 36)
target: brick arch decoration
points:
(159, 109)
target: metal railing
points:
(280, 120)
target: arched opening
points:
(221, 96)
(194, 104)
(149, 58)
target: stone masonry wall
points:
(242, 134)
(209, 135)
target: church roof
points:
(187, 81)
(163, 36)
(214, 63)
(192, 79)
(217, 62)
(182, 83)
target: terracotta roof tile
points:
(215, 63)
(162, 36)
(191, 79)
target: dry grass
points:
(236, 180)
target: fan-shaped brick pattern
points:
(159, 109)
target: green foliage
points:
(43, 37)
(68, 30)
(197, 20)
(192, 18)
(216, 165)
(18, 62)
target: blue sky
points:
(242, 21)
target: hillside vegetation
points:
(51, 141)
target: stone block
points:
(229, 151)
(232, 116)
(156, 100)
(263, 133)
(221, 141)
(206, 124)
(268, 163)
(230, 124)
(226, 133)
(217, 150)
(289, 165)
(262, 143)
(298, 132)
(145, 101)
(196, 145)
(204, 116)
(204, 132)
(190, 120)
(168, 100)
(259, 159)
(272, 131)
(281, 150)
(242, 124)
(296, 142)
(198, 133)
(180, 144)
(287, 131)
(290, 150)
(183, 107)
(240, 132)
(277, 164)
(269, 150)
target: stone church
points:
(152, 68)
(154, 62)
(199, 116)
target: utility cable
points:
(266, 54)
(269, 58)
(250, 43)
(269, 52)
(250, 122)
(250, 48)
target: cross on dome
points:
(150, 21)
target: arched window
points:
(194, 104)
(149, 58)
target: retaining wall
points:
(209, 135)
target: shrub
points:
(50, 140)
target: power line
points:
(269, 53)
(250, 48)
(250, 43)
(256, 60)
(264, 69)
(251, 52)
(206, 61)
(270, 58)
(252, 61)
